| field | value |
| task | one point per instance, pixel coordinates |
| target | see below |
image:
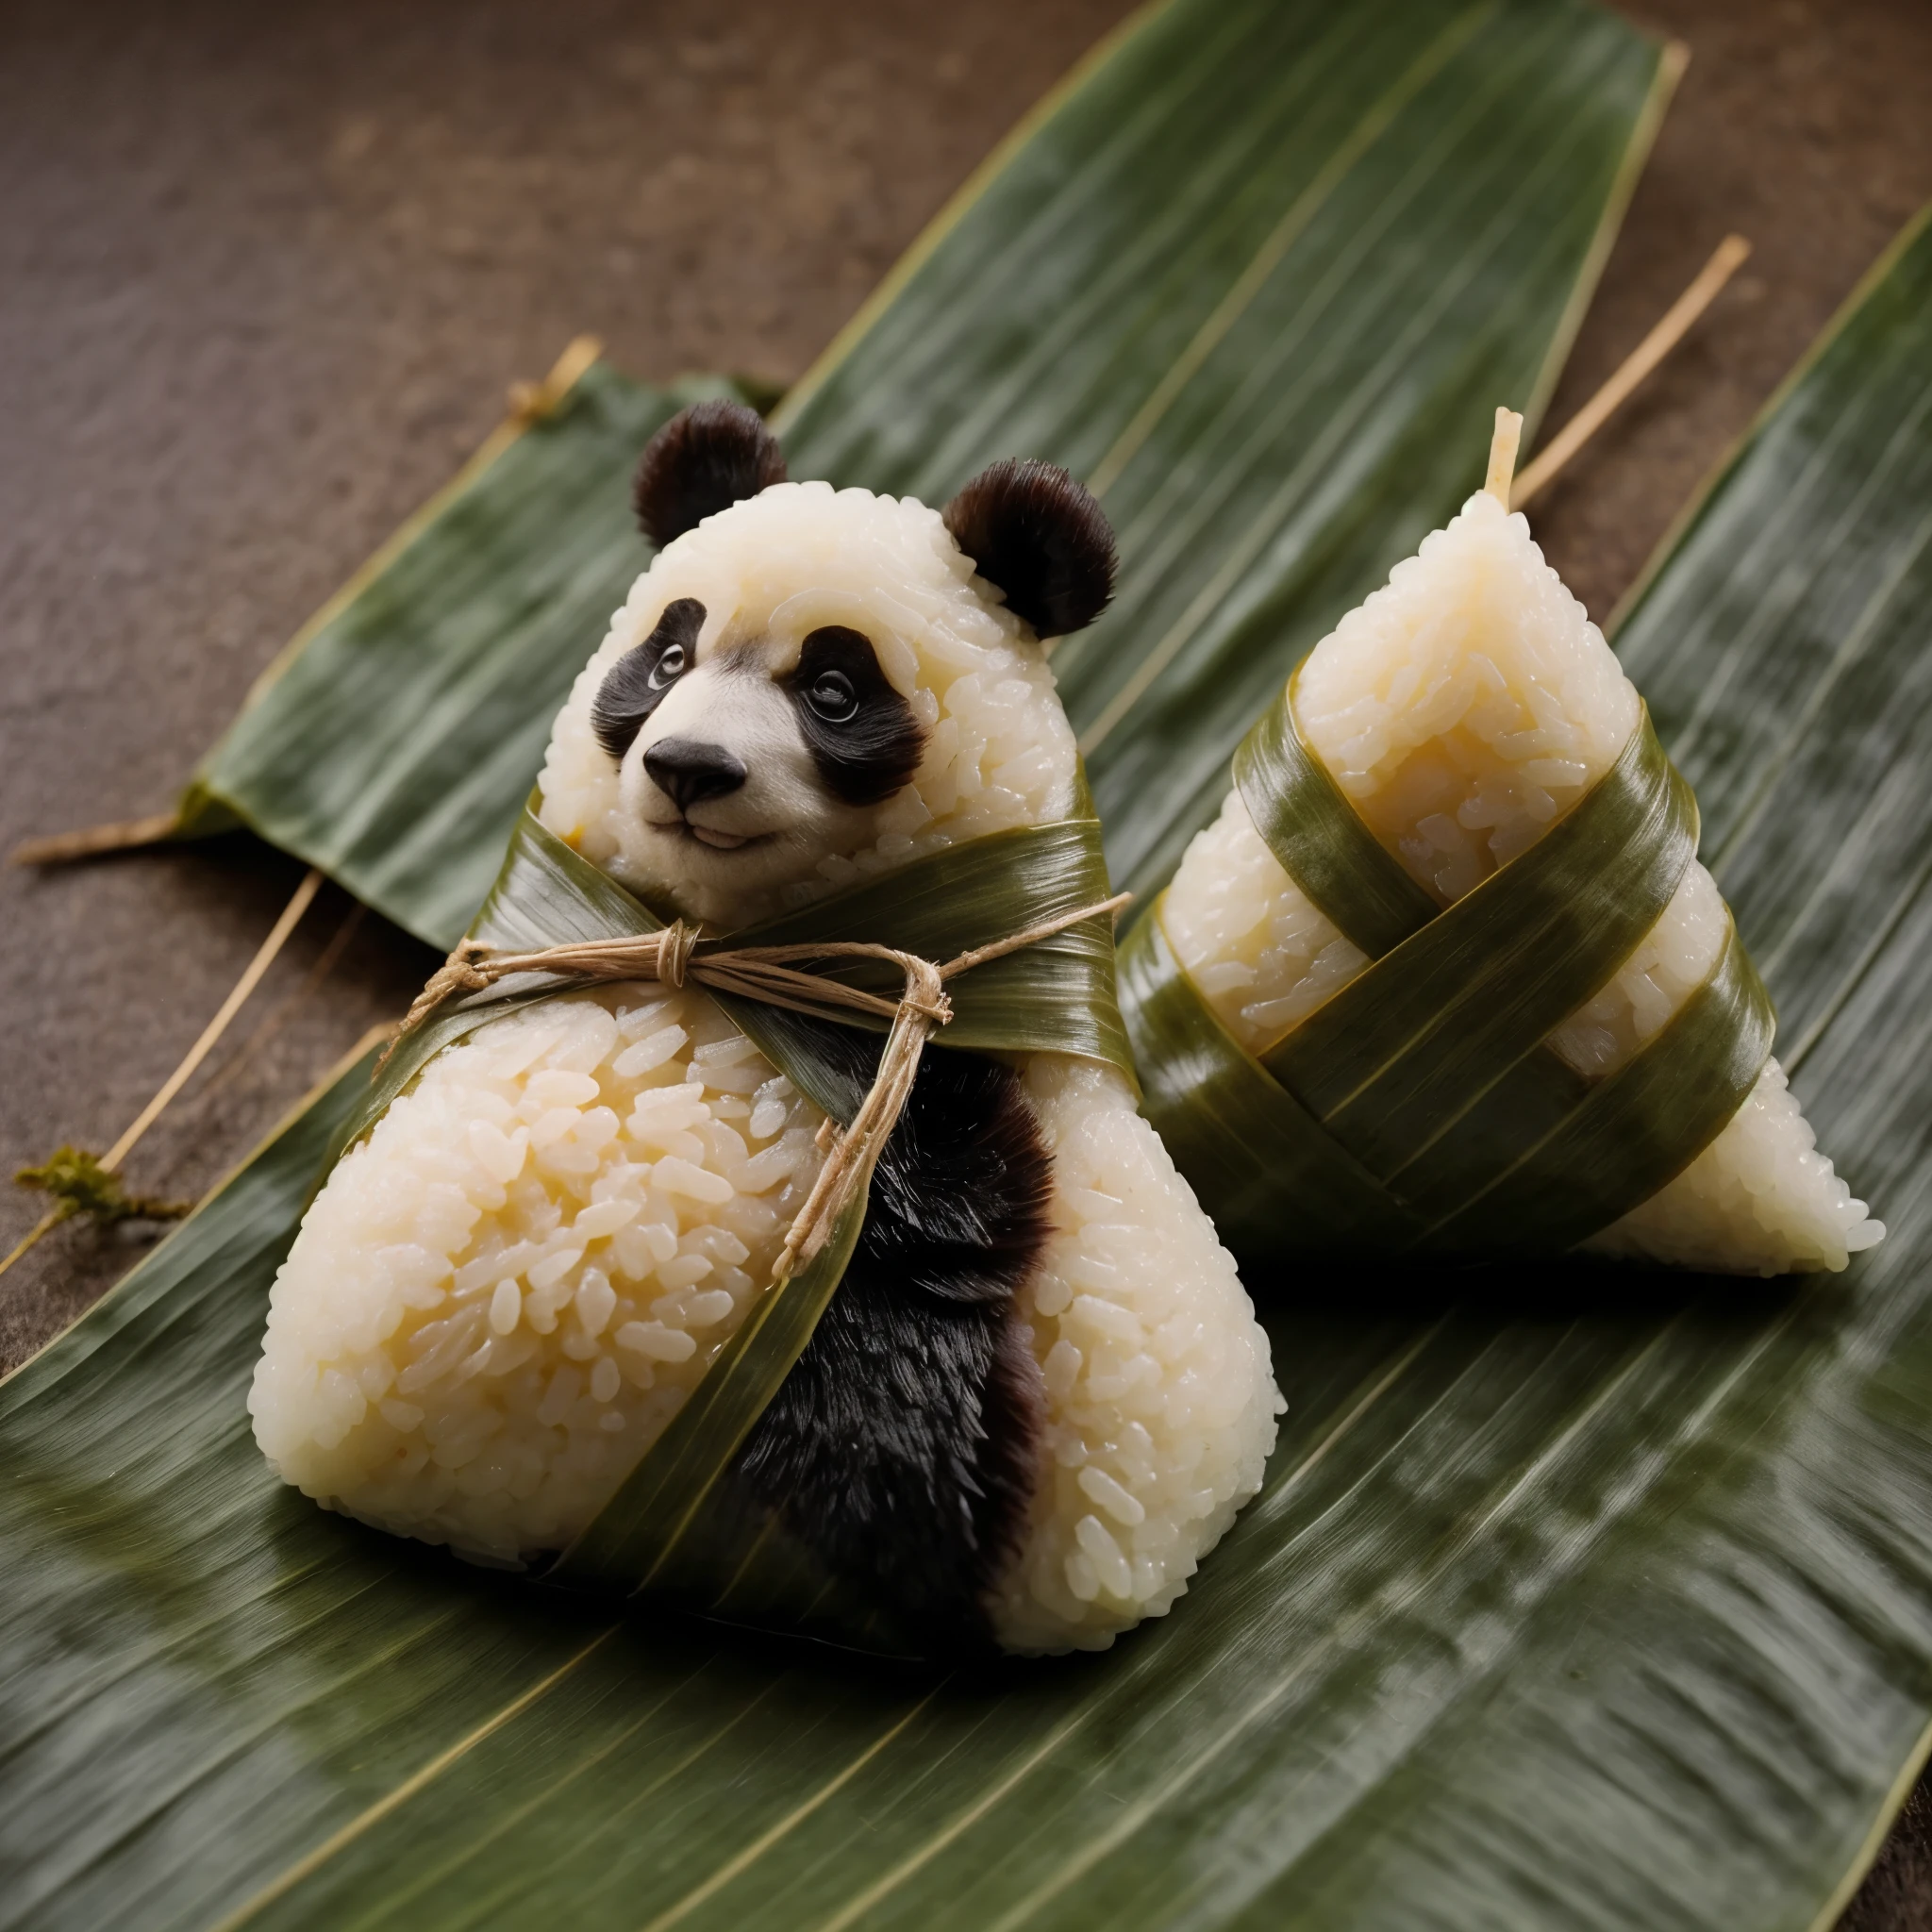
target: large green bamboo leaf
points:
(1261, 281)
(1260, 273)
(1574, 1598)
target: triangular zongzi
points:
(1457, 718)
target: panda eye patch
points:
(635, 684)
(861, 734)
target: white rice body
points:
(1462, 708)
(500, 1299)
(1160, 1400)
(503, 1295)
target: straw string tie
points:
(774, 975)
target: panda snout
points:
(688, 771)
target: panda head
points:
(811, 685)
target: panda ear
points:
(705, 459)
(1036, 533)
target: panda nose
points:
(686, 770)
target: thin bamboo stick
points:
(59, 848)
(1503, 443)
(1725, 262)
(237, 994)
(250, 978)
(46, 1224)
(281, 1014)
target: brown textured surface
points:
(264, 273)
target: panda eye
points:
(668, 668)
(831, 695)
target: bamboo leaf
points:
(1261, 281)
(1586, 1598)
(1259, 274)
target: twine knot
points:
(677, 955)
(676, 944)
(926, 991)
(462, 971)
(464, 967)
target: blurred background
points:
(265, 273)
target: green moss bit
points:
(80, 1185)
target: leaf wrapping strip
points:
(1394, 1062)
(676, 1529)
(1055, 996)
(1319, 839)
(674, 1525)
(1250, 1150)
(1628, 1136)
(1459, 1131)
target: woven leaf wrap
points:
(1418, 1111)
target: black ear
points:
(1032, 530)
(705, 459)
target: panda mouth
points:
(714, 841)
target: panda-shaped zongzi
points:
(1039, 1394)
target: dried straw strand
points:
(250, 978)
(1670, 329)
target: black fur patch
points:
(705, 459)
(1032, 530)
(860, 732)
(902, 1445)
(635, 685)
